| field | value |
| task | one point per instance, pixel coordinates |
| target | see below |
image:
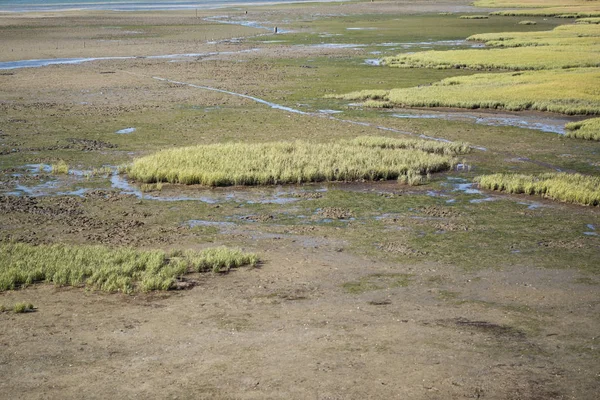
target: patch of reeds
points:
(60, 168)
(571, 188)
(113, 270)
(473, 17)
(587, 129)
(283, 162)
(561, 91)
(527, 22)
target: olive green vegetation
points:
(586, 129)
(527, 22)
(473, 17)
(428, 146)
(120, 269)
(571, 188)
(561, 91)
(293, 162)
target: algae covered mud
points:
(360, 253)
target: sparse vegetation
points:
(561, 9)
(283, 162)
(527, 23)
(586, 129)
(121, 269)
(563, 35)
(473, 17)
(571, 188)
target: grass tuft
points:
(20, 308)
(473, 17)
(60, 168)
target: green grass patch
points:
(112, 270)
(287, 162)
(561, 91)
(587, 129)
(571, 188)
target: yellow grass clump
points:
(570, 188)
(516, 58)
(122, 269)
(60, 168)
(562, 91)
(284, 162)
(587, 129)
(429, 146)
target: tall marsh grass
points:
(121, 269)
(587, 129)
(546, 8)
(561, 91)
(563, 35)
(513, 58)
(287, 162)
(571, 188)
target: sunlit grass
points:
(428, 146)
(593, 20)
(587, 129)
(564, 35)
(112, 270)
(547, 8)
(515, 58)
(562, 91)
(571, 188)
(287, 162)
(527, 23)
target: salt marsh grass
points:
(561, 91)
(473, 17)
(546, 8)
(112, 270)
(595, 20)
(564, 35)
(571, 188)
(587, 129)
(517, 58)
(527, 23)
(428, 146)
(285, 162)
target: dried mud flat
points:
(344, 304)
(291, 329)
